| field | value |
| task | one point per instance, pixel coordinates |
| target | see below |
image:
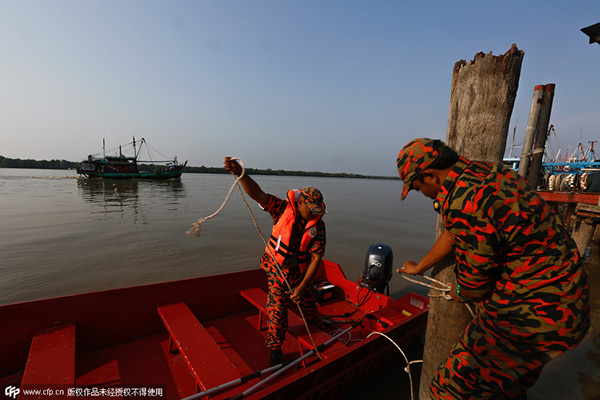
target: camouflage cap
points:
(415, 157)
(314, 199)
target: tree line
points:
(64, 164)
(269, 171)
(36, 164)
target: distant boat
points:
(578, 172)
(124, 167)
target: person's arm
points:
(296, 294)
(441, 248)
(249, 185)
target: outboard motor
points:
(378, 267)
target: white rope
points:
(342, 340)
(195, 230)
(445, 289)
(470, 310)
(408, 363)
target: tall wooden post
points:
(538, 92)
(481, 103)
(541, 133)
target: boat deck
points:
(196, 348)
(121, 365)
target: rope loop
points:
(445, 288)
(408, 363)
(195, 229)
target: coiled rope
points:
(195, 230)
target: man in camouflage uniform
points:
(514, 260)
(293, 254)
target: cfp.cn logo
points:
(11, 392)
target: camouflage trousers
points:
(503, 350)
(278, 301)
(479, 367)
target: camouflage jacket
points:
(511, 247)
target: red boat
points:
(177, 339)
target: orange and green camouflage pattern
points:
(314, 199)
(511, 248)
(415, 157)
(278, 299)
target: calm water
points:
(63, 235)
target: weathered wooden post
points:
(481, 103)
(541, 133)
(588, 219)
(538, 92)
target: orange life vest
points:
(279, 242)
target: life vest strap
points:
(284, 250)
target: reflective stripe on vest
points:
(279, 241)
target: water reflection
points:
(111, 198)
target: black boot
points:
(276, 357)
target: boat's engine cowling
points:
(378, 267)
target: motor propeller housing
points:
(378, 267)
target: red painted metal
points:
(196, 345)
(123, 343)
(568, 197)
(51, 363)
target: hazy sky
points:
(336, 86)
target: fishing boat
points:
(204, 338)
(578, 172)
(119, 166)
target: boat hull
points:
(170, 173)
(125, 167)
(121, 340)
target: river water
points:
(63, 235)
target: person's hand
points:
(233, 166)
(409, 268)
(296, 294)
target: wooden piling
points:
(481, 103)
(541, 133)
(534, 110)
(587, 219)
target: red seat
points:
(51, 363)
(203, 356)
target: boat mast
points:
(134, 152)
(592, 152)
(103, 148)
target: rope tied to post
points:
(444, 288)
